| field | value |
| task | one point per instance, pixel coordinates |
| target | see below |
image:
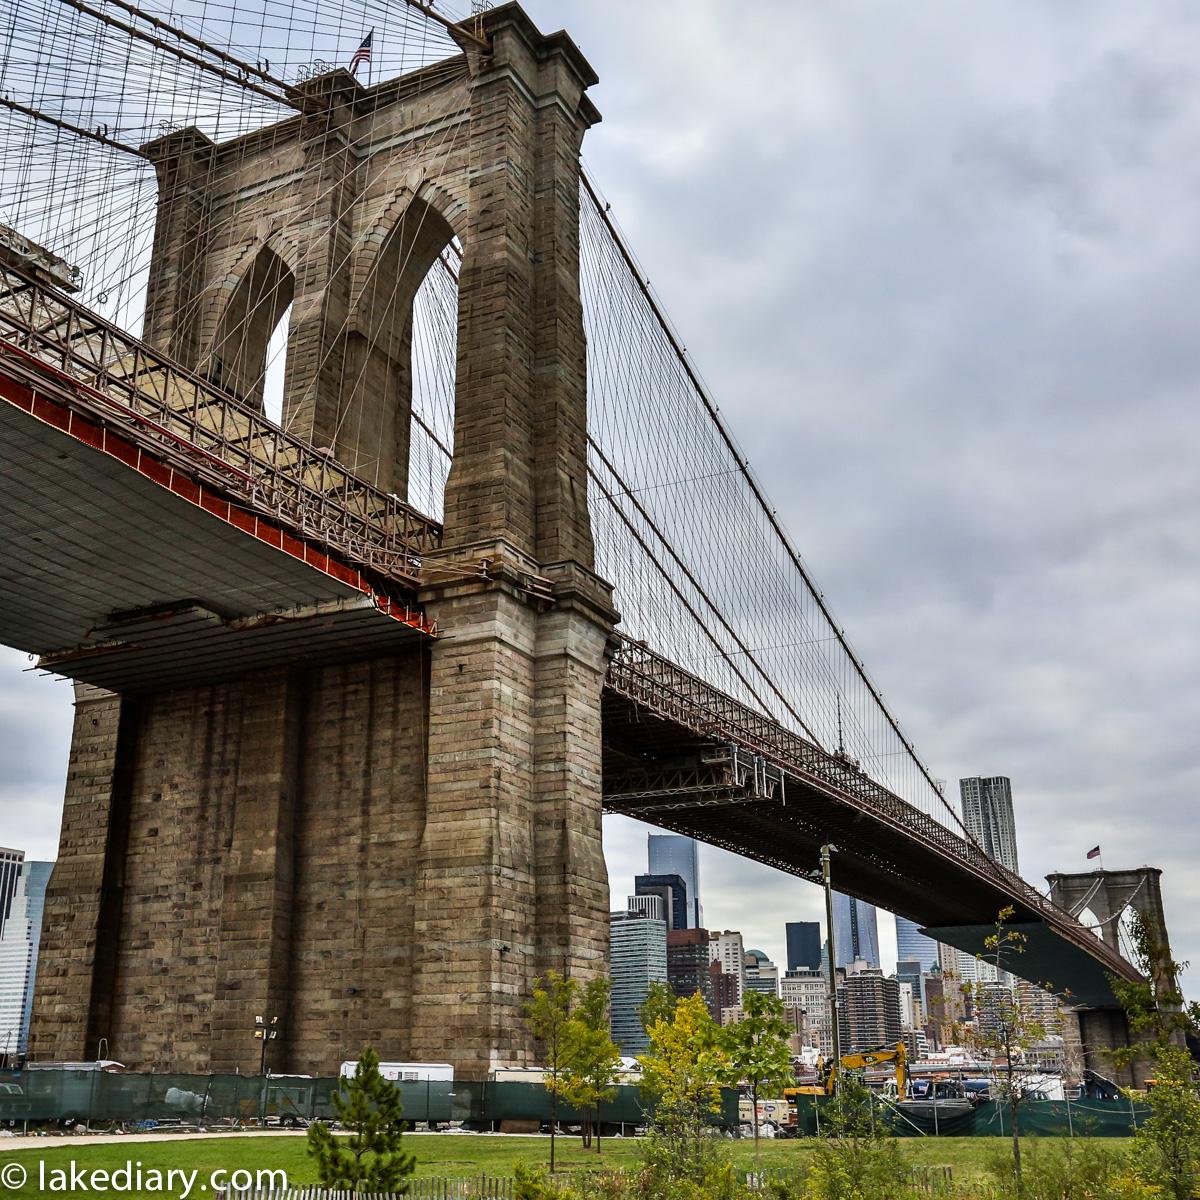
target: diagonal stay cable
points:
(752, 482)
(691, 578)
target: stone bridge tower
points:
(1107, 895)
(389, 850)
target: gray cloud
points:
(35, 732)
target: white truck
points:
(407, 1072)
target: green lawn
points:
(444, 1155)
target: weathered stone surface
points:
(383, 851)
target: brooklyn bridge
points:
(355, 476)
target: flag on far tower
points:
(1094, 852)
(362, 54)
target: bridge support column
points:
(84, 899)
(1104, 1033)
(1107, 895)
(512, 880)
(398, 844)
(254, 942)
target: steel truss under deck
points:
(657, 686)
(175, 413)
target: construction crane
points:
(827, 1071)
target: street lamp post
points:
(826, 853)
(266, 1030)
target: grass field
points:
(449, 1155)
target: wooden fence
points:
(932, 1180)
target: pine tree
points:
(371, 1159)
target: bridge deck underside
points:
(120, 582)
(875, 862)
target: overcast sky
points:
(939, 264)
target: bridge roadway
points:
(251, 549)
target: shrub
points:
(855, 1158)
(1166, 1151)
(1061, 1170)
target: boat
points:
(931, 1101)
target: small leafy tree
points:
(1166, 1150)
(1156, 1012)
(371, 1159)
(758, 1051)
(682, 1072)
(1009, 1029)
(855, 1158)
(593, 1058)
(549, 1012)
(659, 1005)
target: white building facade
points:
(22, 898)
(639, 958)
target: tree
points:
(371, 1159)
(549, 1013)
(659, 1005)
(1154, 1006)
(1004, 1026)
(682, 1071)
(758, 1051)
(593, 1059)
(1166, 1150)
(855, 1158)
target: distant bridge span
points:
(252, 549)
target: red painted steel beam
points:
(52, 412)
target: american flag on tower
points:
(362, 54)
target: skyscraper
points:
(803, 946)
(913, 946)
(760, 973)
(22, 898)
(870, 1006)
(10, 872)
(809, 990)
(639, 958)
(688, 960)
(727, 949)
(856, 931)
(987, 809)
(672, 854)
(674, 895)
(910, 972)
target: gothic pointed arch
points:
(375, 405)
(237, 356)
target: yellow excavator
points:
(827, 1071)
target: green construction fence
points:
(52, 1095)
